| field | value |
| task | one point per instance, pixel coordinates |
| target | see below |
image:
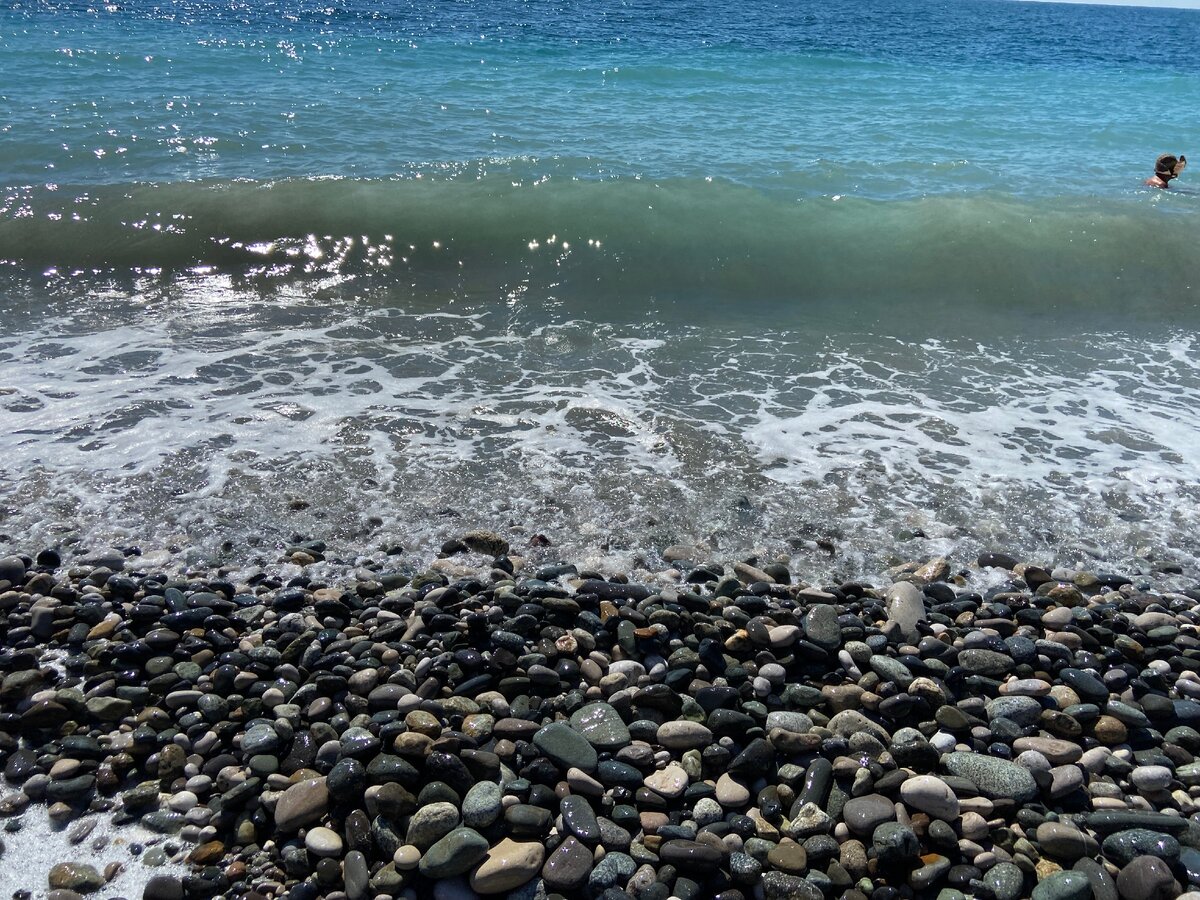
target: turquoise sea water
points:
(627, 274)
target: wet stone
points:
(1123, 847)
(507, 866)
(1005, 881)
(453, 854)
(1147, 878)
(568, 867)
(601, 725)
(580, 819)
(995, 778)
(1063, 886)
(566, 747)
(863, 815)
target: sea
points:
(846, 283)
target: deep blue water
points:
(886, 98)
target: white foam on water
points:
(33, 851)
(204, 413)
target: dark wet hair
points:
(1169, 165)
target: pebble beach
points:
(491, 722)
(565, 450)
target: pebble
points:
(566, 747)
(75, 876)
(1066, 842)
(508, 865)
(1063, 886)
(1147, 878)
(683, 735)
(431, 823)
(323, 842)
(568, 867)
(929, 794)
(482, 804)
(454, 854)
(302, 804)
(670, 782)
(995, 778)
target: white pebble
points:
(943, 741)
(183, 801)
(1150, 778)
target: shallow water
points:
(40, 845)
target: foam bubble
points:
(40, 845)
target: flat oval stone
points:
(788, 856)
(453, 854)
(929, 794)
(1064, 841)
(684, 735)
(302, 804)
(566, 747)
(1151, 778)
(507, 866)
(821, 626)
(568, 867)
(601, 725)
(431, 823)
(261, 739)
(1063, 886)
(996, 779)
(863, 815)
(1060, 753)
(1089, 688)
(1025, 711)
(685, 855)
(78, 877)
(1123, 847)
(1026, 687)
(482, 805)
(580, 819)
(323, 842)
(985, 662)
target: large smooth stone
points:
(996, 779)
(302, 804)
(906, 607)
(482, 805)
(507, 866)
(566, 747)
(601, 725)
(1064, 841)
(454, 854)
(684, 735)
(568, 867)
(930, 794)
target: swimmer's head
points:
(1168, 166)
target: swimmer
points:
(1166, 167)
